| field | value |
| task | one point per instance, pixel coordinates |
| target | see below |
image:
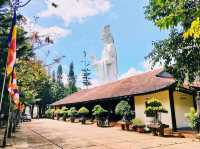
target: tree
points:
(24, 48)
(71, 79)
(85, 71)
(180, 51)
(53, 76)
(83, 112)
(153, 107)
(59, 74)
(123, 109)
(72, 112)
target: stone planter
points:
(72, 119)
(83, 120)
(125, 125)
(140, 129)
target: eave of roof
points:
(134, 85)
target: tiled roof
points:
(141, 83)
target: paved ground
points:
(53, 134)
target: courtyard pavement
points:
(53, 134)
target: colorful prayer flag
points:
(12, 87)
(11, 58)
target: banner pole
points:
(3, 88)
(8, 124)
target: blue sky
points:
(133, 34)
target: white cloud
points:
(147, 65)
(131, 72)
(54, 32)
(75, 10)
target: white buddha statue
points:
(106, 67)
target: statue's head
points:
(106, 35)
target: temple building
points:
(137, 90)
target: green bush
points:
(57, 111)
(153, 107)
(65, 115)
(49, 113)
(72, 112)
(137, 122)
(98, 111)
(123, 108)
(63, 111)
(83, 111)
(194, 121)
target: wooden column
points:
(172, 107)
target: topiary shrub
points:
(64, 113)
(123, 109)
(72, 112)
(100, 114)
(153, 107)
(83, 112)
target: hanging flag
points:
(11, 58)
(20, 107)
(12, 88)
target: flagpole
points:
(3, 88)
(2, 94)
(8, 124)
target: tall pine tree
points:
(59, 74)
(53, 76)
(72, 79)
(85, 71)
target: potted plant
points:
(124, 109)
(72, 112)
(153, 109)
(138, 125)
(64, 113)
(57, 113)
(194, 121)
(83, 112)
(100, 115)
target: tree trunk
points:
(32, 108)
(43, 110)
(40, 111)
